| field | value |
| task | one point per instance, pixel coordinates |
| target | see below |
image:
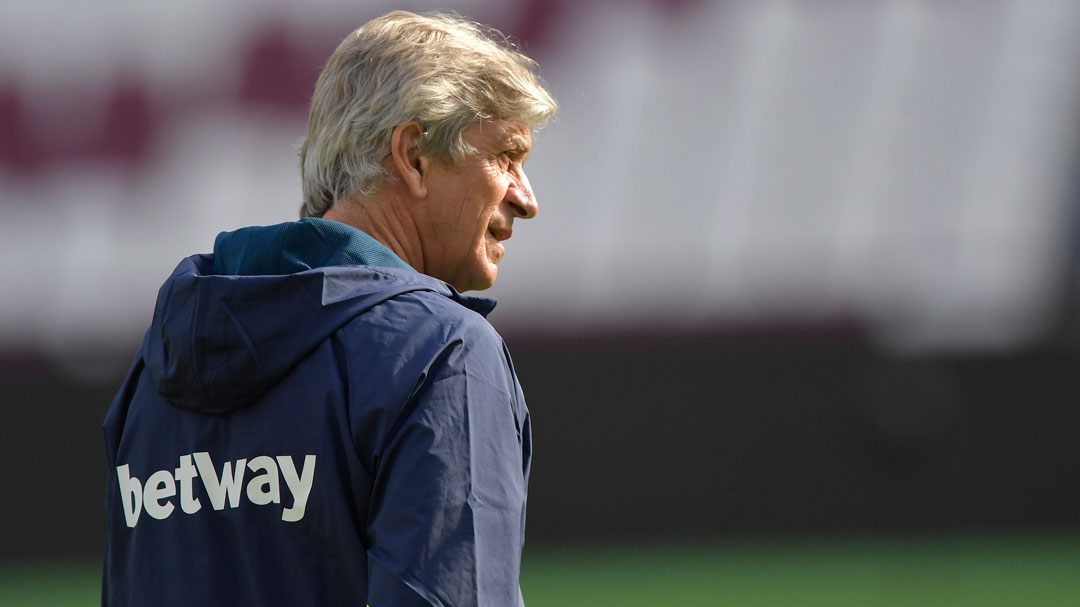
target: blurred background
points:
(797, 322)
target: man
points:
(317, 416)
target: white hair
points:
(441, 70)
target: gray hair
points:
(441, 70)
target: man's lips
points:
(501, 234)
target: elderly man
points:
(317, 415)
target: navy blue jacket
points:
(297, 431)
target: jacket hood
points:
(219, 341)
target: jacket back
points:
(338, 435)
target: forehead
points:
(492, 134)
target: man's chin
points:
(475, 283)
(482, 282)
(481, 285)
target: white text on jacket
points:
(156, 495)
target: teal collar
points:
(287, 248)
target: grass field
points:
(1028, 571)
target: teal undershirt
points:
(295, 246)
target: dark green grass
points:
(50, 584)
(982, 572)
(1029, 571)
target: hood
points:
(219, 341)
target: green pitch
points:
(1028, 571)
(982, 572)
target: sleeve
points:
(113, 567)
(447, 513)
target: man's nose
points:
(521, 198)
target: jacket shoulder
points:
(427, 317)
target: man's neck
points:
(384, 219)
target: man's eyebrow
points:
(515, 142)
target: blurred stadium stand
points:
(800, 267)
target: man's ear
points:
(405, 156)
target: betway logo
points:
(156, 496)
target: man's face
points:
(471, 207)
